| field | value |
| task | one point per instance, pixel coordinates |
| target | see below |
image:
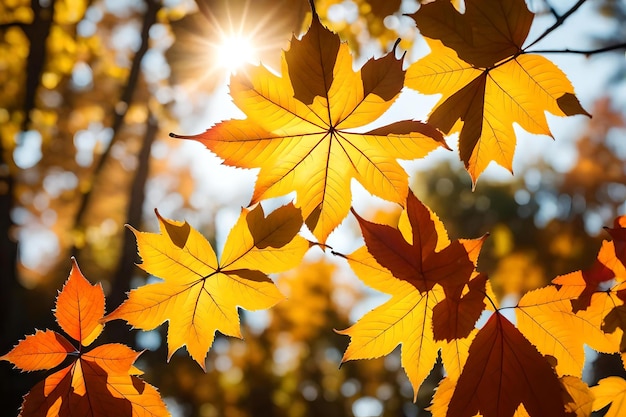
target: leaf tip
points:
(570, 106)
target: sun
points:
(235, 51)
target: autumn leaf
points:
(610, 390)
(420, 264)
(418, 277)
(198, 294)
(608, 266)
(618, 233)
(616, 319)
(546, 317)
(577, 396)
(503, 371)
(605, 268)
(79, 308)
(487, 79)
(101, 382)
(300, 129)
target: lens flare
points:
(235, 51)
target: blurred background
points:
(90, 89)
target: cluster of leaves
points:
(300, 132)
(99, 382)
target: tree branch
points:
(37, 33)
(559, 22)
(578, 51)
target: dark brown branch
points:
(559, 21)
(149, 19)
(578, 51)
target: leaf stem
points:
(312, 4)
(496, 309)
(559, 21)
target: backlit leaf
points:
(503, 371)
(299, 129)
(546, 317)
(42, 350)
(610, 390)
(419, 278)
(487, 80)
(97, 383)
(79, 307)
(198, 294)
(578, 397)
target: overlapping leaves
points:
(101, 382)
(422, 270)
(583, 307)
(486, 78)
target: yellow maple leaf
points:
(547, 318)
(610, 390)
(578, 397)
(299, 129)
(198, 294)
(487, 80)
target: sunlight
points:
(221, 39)
(234, 52)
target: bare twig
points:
(559, 21)
(578, 51)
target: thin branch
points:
(559, 22)
(578, 51)
(313, 10)
(553, 11)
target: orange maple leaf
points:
(198, 294)
(299, 129)
(420, 268)
(487, 80)
(503, 371)
(101, 382)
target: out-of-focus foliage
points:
(370, 23)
